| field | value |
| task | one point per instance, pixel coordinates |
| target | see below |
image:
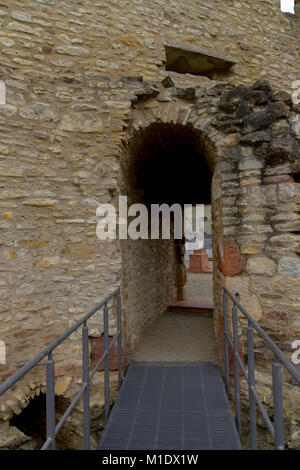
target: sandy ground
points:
(199, 285)
(178, 337)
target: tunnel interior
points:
(168, 165)
(163, 164)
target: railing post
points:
(251, 383)
(86, 393)
(106, 361)
(226, 345)
(119, 327)
(50, 401)
(235, 329)
(278, 407)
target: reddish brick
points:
(97, 349)
(47, 49)
(275, 325)
(277, 318)
(230, 261)
(276, 179)
(41, 134)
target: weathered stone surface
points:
(261, 265)
(97, 350)
(276, 179)
(275, 324)
(279, 110)
(230, 101)
(12, 438)
(257, 137)
(83, 251)
(41, 202)
(288, 192)
(131, 40)
(21, 16)
(250, 163)
(23, 28)
(13, 193)
(289, 266)
(239, 287)
(184, 93)
(62, 385)
(167, 82)
(76, 123)
(284, 149)
(230, 261)
(50, 262)
(7, 110)
(281, 95)
(11, 172)
(73, 50)
(256, 121)
(278, 318)
(144, 94)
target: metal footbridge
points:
(169, 406)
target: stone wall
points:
(74, 74)
(148, 284)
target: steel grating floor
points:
(171, 406)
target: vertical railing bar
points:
(236, 368)
(278, 404)
(50, 401)
(251, 384)
(119, 328)
(226, 345)
(86, 393)
(106, 361)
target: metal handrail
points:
(52, 429)
(276, 430)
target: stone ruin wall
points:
(68, 106)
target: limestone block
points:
(50, 262)
(78, 123)
(239, 287)
(289, 266)
(261, 265)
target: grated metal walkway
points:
(171, 406)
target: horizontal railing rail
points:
(52, 429)
(276, 429)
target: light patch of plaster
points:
(2, 92)
(239, 287)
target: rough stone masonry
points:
(85, 87)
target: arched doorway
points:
(164, 163)
(250, 137)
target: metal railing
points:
(276, 429)
(52, 429)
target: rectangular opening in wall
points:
(287, 6)
(184, 59)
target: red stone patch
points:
(230, 261)
(277, 318)
(47, 49)
(277, 179)
(97, 349)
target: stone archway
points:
(249, 136)
(155, 174)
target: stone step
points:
(200, 306)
